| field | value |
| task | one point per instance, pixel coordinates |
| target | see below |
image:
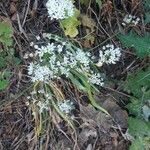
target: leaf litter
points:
(95, 130)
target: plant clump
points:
(57, 59)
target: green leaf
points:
(141, 44)
(77, 83)
(141, 132)
(6, 33)
(147, 11)
(138, 83)
(2, 62)
(134, 107)
(138, 108)
(138, 127)
(5, 29)
(70, 25)
(137, 144)
(147, 18)
(3, 84)
(99, 2)
(17, 60)
(147, 5)
(6, 74)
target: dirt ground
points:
(94, 129)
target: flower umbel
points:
(60, 9)
(96, 79)
(109, 55)
(129, 19)
(66, 106)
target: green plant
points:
(6, 33)
(147, 11)
(4, 80)
(7, 57)
(138, 84)
(141, 132)
(69, 25)
(141, 44)
(60, 60)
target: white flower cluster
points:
(129, 19)
(39, 73)
(55, 60)
(109, 55)
(60, 9)
(66, 106)
(42, 103)
(96, 79)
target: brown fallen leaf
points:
(119, 115)
(88, 22)
(88, 41)
(13, 8)
(89, 26)
(14, 17)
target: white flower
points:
(36, 46)
(31, 44)
(28, 97)
(82, 57)
(26, 56)
(109, 55)
(39, 73)
(49, 48)
(59, 48)
(31, 55)
(60, 9)
(43, 105)
(27, 103)
(46, 35)
(33, 93)
(136, 21)
(30, 69)
(38, 37)
(41, 91)
(66, 106)
(64, 71)
(73, 62)
(96, 79)
(129, 19)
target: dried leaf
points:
(88, 22)
(88, 41)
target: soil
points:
(94, 129)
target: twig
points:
(118, 92)
(20, 27)
(24, 20)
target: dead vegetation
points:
(93, 129)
